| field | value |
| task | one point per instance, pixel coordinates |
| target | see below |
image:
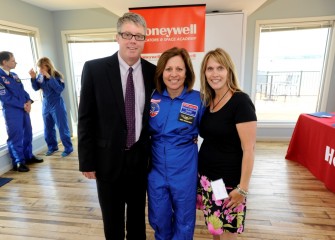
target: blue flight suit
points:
(54, 112)
(19, 130)
(172, 181)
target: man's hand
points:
(27, 106)
(89, 175)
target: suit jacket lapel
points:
(148, 90)
(114, 77)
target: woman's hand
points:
(45, 73)
(235, 199)
(32, 73)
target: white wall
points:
(226, 30)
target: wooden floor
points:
(54, 201)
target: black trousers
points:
(127, 192)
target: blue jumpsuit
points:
(54, 112)
(13, 97)
(172, 181)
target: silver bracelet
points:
(241, 191)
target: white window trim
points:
(69, 73)
(25, 29)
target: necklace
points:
(214, 105)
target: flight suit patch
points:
(5, 81)
(2, 89)
(154, 107)
(17, 79)
(40, 79)
(187, 113)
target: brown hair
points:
(164, 58)
(5, 56)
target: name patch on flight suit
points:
(188, 112)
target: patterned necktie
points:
(130, 109)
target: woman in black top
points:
(226, 156)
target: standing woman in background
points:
(228, 128)
(50, 80)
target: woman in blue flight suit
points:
(52, 84)
(175, 114)
(16, 105)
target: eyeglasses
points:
(128, 36)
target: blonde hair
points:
(44, 61)
(223, 58)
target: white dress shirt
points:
(139, 90)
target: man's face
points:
(130, 50)
(10, 64)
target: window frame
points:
(84, 35)
(33, 34)
(328, 63)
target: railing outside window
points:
(281, 84)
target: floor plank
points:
(54, 201)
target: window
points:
(85, 46)
(290, 70)
(21, 41)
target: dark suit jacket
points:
(102, 127)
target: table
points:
(313, 145)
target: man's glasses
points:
(128, 36)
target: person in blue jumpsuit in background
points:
(50, 80)
(175, 115)
(16, 106)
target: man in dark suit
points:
(120, 168)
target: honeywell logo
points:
(167, 32)
(329, 156)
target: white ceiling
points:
(119, 7)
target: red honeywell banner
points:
(174, 26)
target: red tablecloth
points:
(313, 145)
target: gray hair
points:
(131, 17)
